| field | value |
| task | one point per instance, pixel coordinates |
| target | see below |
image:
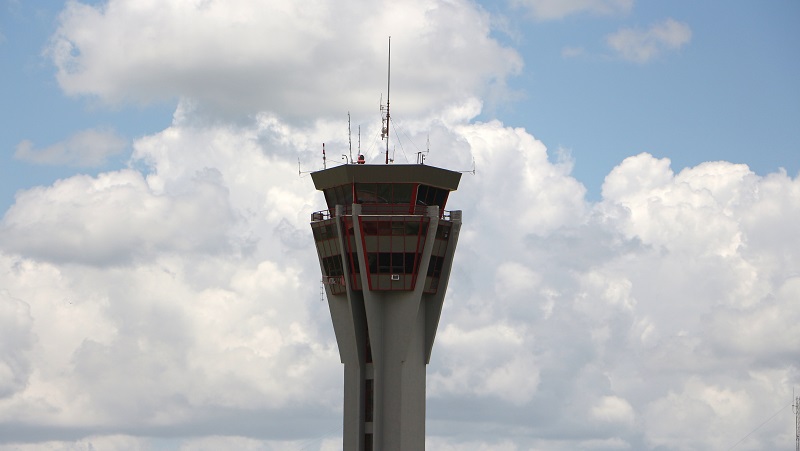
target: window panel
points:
(347, 195)
(440, 196)
(324, 232)
(408, 261)
(368, 401)
(384, 193)
(352, 262)
(384, 262)
(422, 194)
(398, 262)
(369, 227)
(333, 266)
(372, 262)
(366, 193)
(384, 227)
(398, 228)
(402, 193)
(339, 195)
(368, 345)
(435, 266)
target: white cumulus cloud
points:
(15, 365)
(193, 285)
(180, 296)
(293, 59)
(614, 409)
(641, 46)
(116, 217)
(90, 148)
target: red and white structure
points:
(385, 247)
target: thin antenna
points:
(422, 155)
(796, 408)
(300, 172)
(472, 171)
(385, 131)
(359, 142)
(323, 157)
(388, 85)
(349, 137)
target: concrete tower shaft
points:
(386, 248)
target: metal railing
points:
(322, 215)
(451, 215)
(388, 210)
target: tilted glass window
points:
(392, 262)
(384, 193)
(339, 195)
(428, 195)
(333, 265)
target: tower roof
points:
(389, 173)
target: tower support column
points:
(396, 326)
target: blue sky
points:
(627, 274)
(731, 93)
(36, 109)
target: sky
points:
(627, 276)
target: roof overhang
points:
(386, 173)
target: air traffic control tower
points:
(385, 246)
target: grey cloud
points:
(87, 148)
(553, 326)
(16, 341)
(114, 219)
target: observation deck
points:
(396, 203)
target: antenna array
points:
(385, 119)
(796, 408)
(350, 137)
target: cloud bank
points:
(186, 299)
(176, 303)
(87, 148)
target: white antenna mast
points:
(300, 172)
(473, 170)
(797, 422)
(350, 137)
(421, 155)
(385, 131)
